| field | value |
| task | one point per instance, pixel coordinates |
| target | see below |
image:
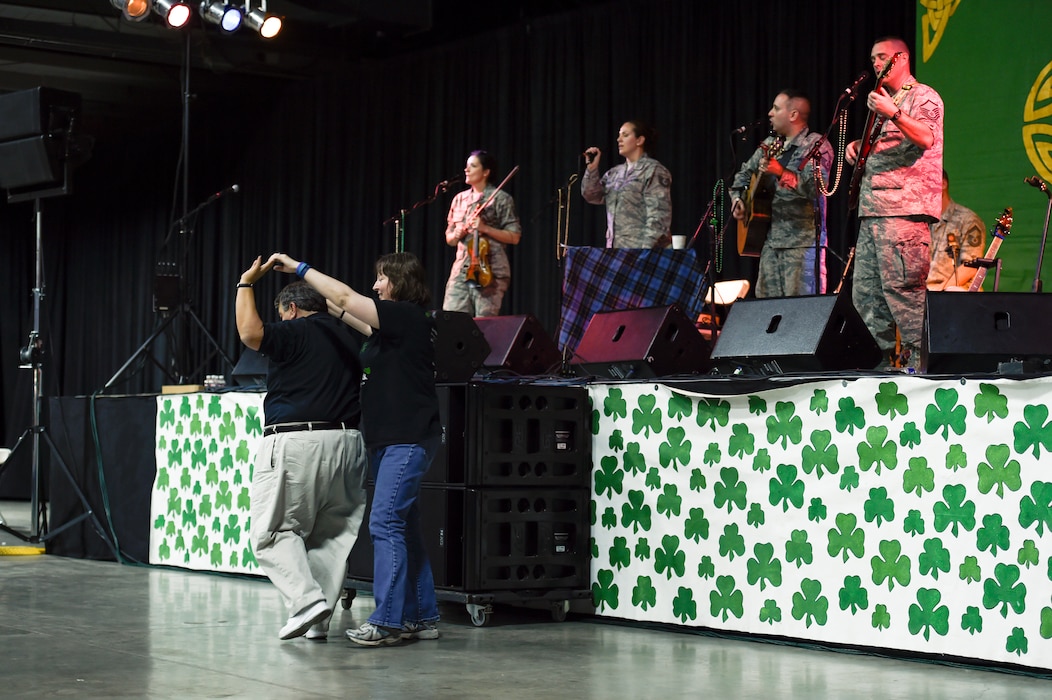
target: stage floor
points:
(91, 629)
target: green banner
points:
(991, 60)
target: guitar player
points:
(899, 198)
(957, 238)
(773, 174)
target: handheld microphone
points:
(589, 155)
(855, 85)
(1035, 181)
(751, 125)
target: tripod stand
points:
(32, 357)
(173, 309)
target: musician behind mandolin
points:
(775, 200)
(957, 238)
(480, 223)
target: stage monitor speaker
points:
(251, 370)
(460, 347)
(980, 332)
(518, 344)
(794, 334)
(641, 343)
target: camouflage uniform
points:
(638, 203)
(787, 260)
(899, 198)
(500, 214)
(968, 229)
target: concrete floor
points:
(87, 629)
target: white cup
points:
(679, 242)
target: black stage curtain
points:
(323, 163)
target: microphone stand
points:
(180, 371)
(814, 156)
(1044, 237)
(399, 218)
(708, 277)
(839, 123)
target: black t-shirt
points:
(398, 391)
(314, 372)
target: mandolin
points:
(869, 138)
(1001, 229)
(756, 224)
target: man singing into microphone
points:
(898, 201)
(787, 257)
(959, 236)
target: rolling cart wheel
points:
(559, 610)
(479, 614)
(349, 594)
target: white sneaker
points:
(318, 632)
(299, 623)
(420, 630)
(370, 635)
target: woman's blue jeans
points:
(403, 586)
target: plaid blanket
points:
(604, 279)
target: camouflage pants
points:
(789, 272)
(891, 267)
(485, 301)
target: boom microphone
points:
(751, 125)
(855, 85)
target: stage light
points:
(267, 25)
(133, 10)
(176, 14)
(227, 16)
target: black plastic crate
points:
(527, 436)
(525, 539)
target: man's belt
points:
(308, 426)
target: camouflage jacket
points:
(638, 203)
(900, 178)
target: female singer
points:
(637, 193)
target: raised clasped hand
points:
(282, 263)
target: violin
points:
(478, 272)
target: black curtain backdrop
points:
(323, 163)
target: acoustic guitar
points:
(869, 138)
(756, 224)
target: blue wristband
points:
(301, 269)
